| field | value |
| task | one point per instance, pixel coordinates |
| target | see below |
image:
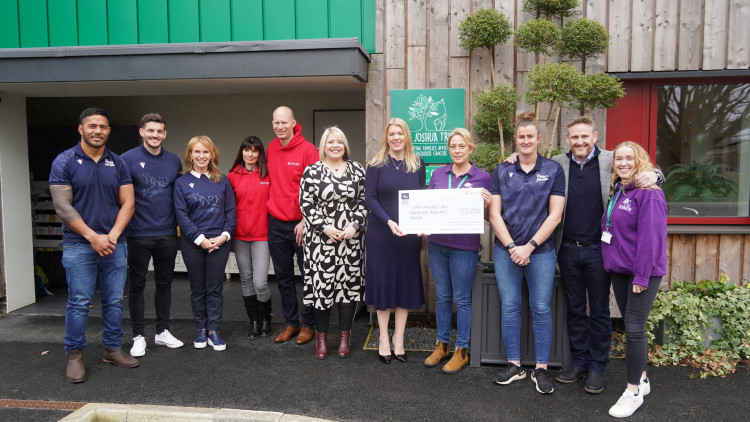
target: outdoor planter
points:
(486, 335)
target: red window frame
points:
(634, 119)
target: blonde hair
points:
(337, 133)
(213, 173)
(642, 165)
(464, 134)
(381, 158)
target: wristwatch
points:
(510, 245)
(533, 243)
(355, 225)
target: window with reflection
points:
(703, 147)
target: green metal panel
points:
(368, 25)
(9, 37)
(32, 20)
(312, 19)
(279, 21)
(215, 20)
(247, 20)
(184, 21)
(122, 18)
(153, 24)
(346, 18)
(92, 22)
(62, 23)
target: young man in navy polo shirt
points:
(93, 195)
(152, 232)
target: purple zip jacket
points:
(639, 234)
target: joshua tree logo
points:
(431, 114)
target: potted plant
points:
(702, 324)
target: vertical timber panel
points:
(689, 47)
(597, 10)
(683, 255)
(746, 260)
(665, 36)
(715, 35)
(706, 256)
(216, 25)
(32, 22)
(416, 40)
(247, 20)
(505, 63)
(9, 36)
(642, 45)
(122, 22)
(618, 58)
(730, 256)
(738, 51)
(368, 24)
(460, 59)
(183, 18)
(667, 280)
(395, 49)
(438, 44)
(374, 105)
(154, 21)
(62, 23)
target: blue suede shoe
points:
(216, 341)
(200, 339)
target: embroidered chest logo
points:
(542, 177)
(191, 185)
(80, 161)
(290, 163)
(468, 185)
(510, 174)
(625, 206)
(143, 165)
(108, 163)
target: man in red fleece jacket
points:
(288, 155)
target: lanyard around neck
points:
(611, 205)
(450, 181)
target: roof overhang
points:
(342, 59)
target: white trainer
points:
(139, 347)
(627, 405)
(644, 387)
(167, 339)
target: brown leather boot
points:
(321, 344)
(75, 372)
(305, 335)
(345, 346)
(286, 335)
(440, 353)
(459, 360)
(120, 358)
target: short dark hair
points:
(152, 117)
(92, 111)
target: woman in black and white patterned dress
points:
(332, 200)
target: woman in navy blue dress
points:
(393, 275)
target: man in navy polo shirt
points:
(93, 195)
(152, 232)
(588, 173)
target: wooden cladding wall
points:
(697, 257)
(58, 23)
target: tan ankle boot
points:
(75, 371)
(459, 360)
(440, 353)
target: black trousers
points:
(163, 250)
(206, 274)
(283, 246)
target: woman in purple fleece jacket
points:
(634, 249)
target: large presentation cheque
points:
(441, 211)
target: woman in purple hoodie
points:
(634, 250)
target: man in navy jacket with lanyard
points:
(588, 174)
(93, 195)
(152, 232)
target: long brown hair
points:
(213, 173)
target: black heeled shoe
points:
(400, 358)
(385, 359)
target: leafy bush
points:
(550, 8)
(484, 28)
(498, 103)
(687, 310)
(538, 36)
(487, 156)
(583, 38)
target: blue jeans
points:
(585, 281)
(540, 276)
(453, 271)
(83, 267)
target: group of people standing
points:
(604, 216)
